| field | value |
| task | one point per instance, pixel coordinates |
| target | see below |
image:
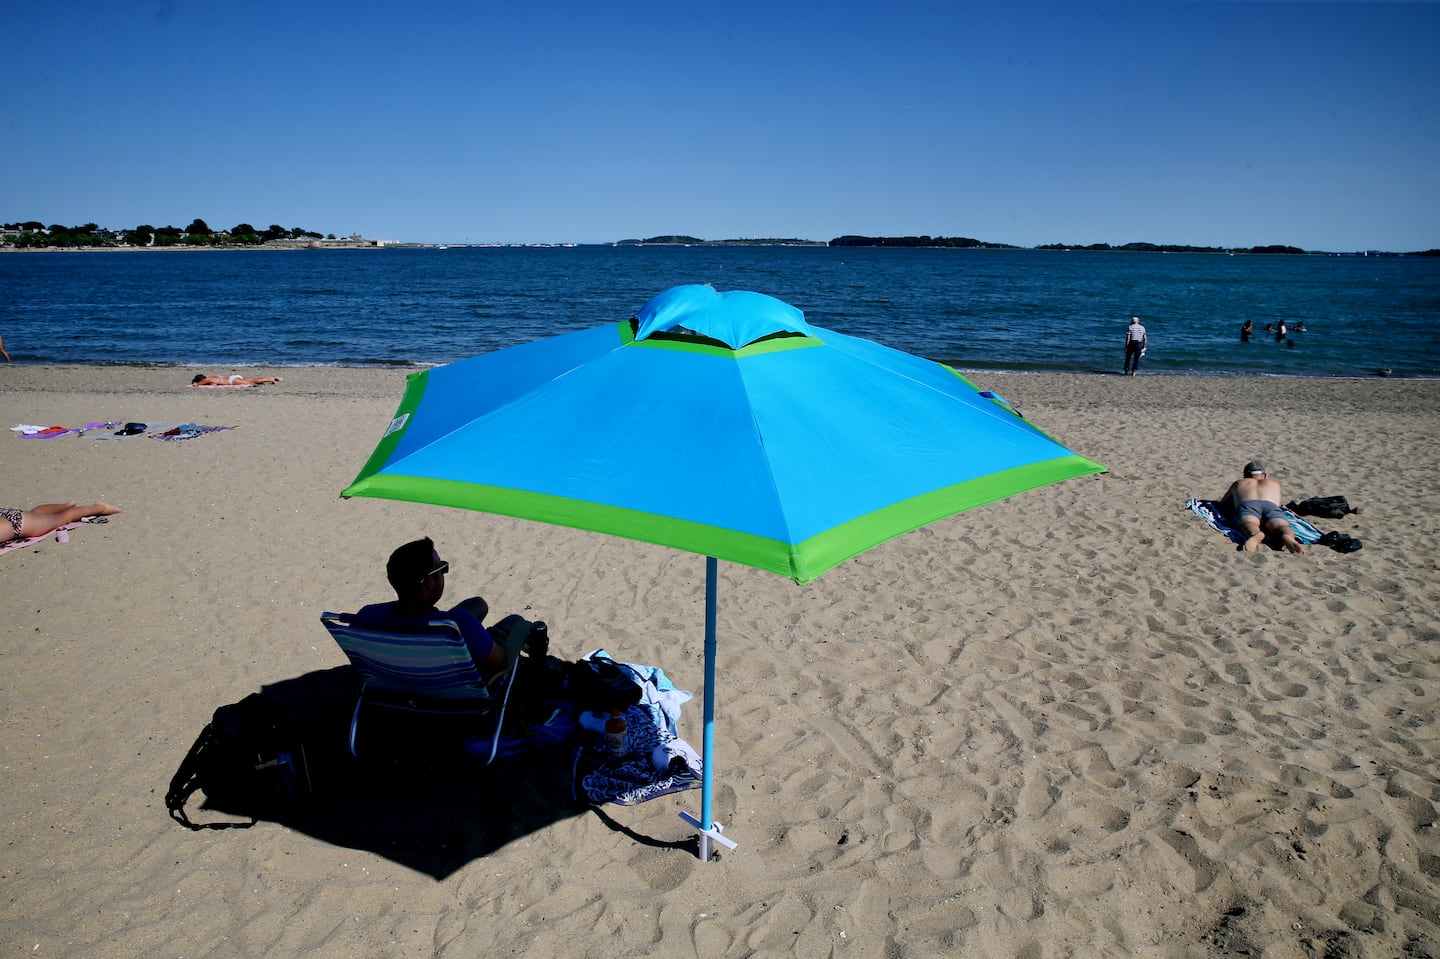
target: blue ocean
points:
(1023, 310)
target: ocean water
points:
(975, 309)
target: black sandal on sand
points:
(94, 519)
(1341, 542)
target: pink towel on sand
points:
(7, 546)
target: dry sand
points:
(1074, 723)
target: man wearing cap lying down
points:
(1254, 501)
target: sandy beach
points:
(1073, 723)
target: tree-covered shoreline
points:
(33, 234)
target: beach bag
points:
(1329, 507)
(598, 685)
(246, 765)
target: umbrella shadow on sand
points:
(431, 807)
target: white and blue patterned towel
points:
(1209, 511)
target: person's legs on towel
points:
(1281, 527)
(48, 517)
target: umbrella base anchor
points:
(708, 836)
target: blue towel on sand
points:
(653, 736)
(1209, 511)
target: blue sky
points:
(1315, 124)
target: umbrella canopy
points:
(721, 424)
(718, 423)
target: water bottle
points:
(538, 641)
(615, 735)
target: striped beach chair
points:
(428, 671)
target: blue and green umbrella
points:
(721, 424)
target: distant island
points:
(33, 234)
(695, 241)
(968, 243)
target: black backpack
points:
(246, 765)
(1328, 507)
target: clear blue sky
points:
(1315, 124)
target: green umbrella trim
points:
(829, 549)
(804, 562)
(705, 346)
(415, 384)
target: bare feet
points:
(104, 509)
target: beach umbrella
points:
(721, 424)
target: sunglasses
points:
(440, 570)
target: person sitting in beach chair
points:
(233, 380)
(415, 658)
(417, 574)
(46, 518)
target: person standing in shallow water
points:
(1245, 330)
(1136, 340)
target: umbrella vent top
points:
(735, 318)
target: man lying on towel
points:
(1254, 502)
(417, 574)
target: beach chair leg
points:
(355, 723)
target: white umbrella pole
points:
(709, 830)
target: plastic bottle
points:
(615, 734)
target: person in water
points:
(46, 518)
(1245, 330)
(234, 380)
(1254, 502)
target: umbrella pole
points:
(709, 830)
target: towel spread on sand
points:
(32, 540)
(658, 762)
(185, 431)
(170, 432)
(28, 432)
(121, 435)
(1209, 510)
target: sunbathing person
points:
(1254, 501)
(233, 380)
(46, 518)
(417, 574)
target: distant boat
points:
(442, 246)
